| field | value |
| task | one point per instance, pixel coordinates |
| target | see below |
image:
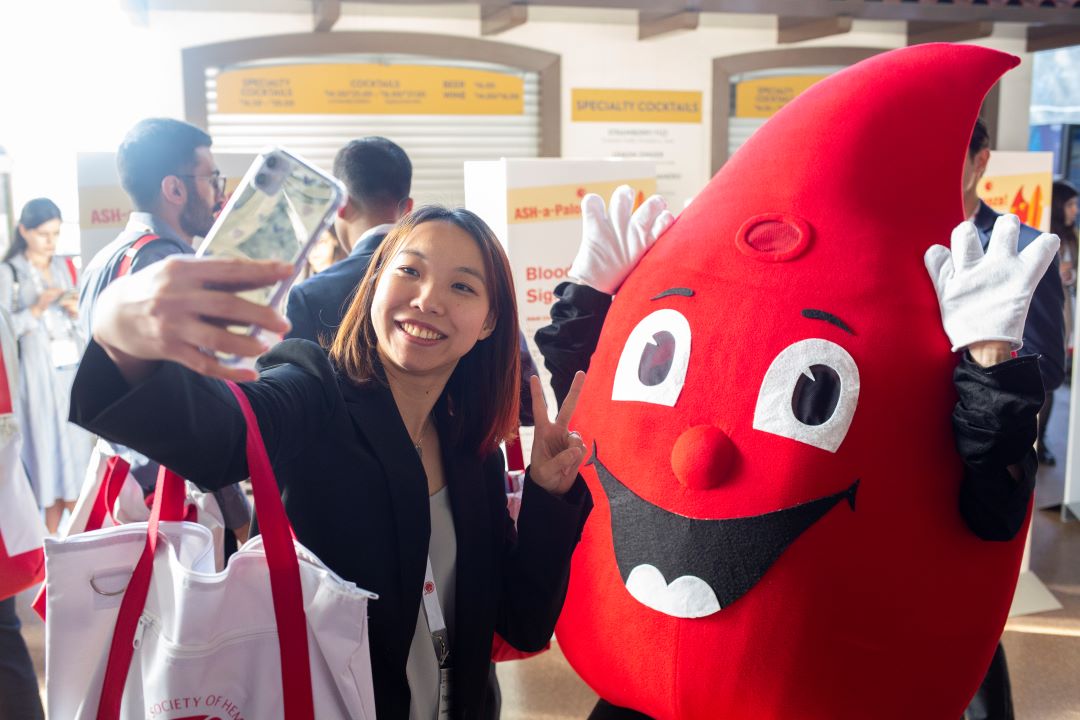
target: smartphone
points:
(278, 212)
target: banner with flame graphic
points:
(1020, 183)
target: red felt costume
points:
(769, 404)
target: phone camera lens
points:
(271, 162)
(260, 180)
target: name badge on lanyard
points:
(64, 352)
(440, 641)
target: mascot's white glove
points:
(612, 244)
(986, 296)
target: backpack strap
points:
(70, 262)
(14, 285)
(131, 252)
(5, 387)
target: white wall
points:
(79, 86)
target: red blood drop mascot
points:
(756, 553)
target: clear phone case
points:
(280, 209)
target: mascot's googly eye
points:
(809, 394)
(653, 364)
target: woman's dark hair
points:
(479, 406)
(34, 214)
(1063, 193)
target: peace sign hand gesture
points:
(557, 453)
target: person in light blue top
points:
(38, 289)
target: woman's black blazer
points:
(356, 493)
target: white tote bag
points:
(110, 496)
(138, 626)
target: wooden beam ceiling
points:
(498, 17)
(325, 13)
(796, 29)
(1052, 37)
(924, 31)
(656, 22)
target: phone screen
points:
(279, 209)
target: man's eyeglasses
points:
(217, 180)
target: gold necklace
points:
(418, 445)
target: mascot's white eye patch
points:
(652, 367)
(809, 394)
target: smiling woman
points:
(386, 451)
(437, 303)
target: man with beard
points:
(168, 171)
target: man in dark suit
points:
(1044, 336)
(1044, 331)
(378, 176)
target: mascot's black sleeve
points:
(995, 423)
(567, 344)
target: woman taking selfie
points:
(38, 289)
(386, 452)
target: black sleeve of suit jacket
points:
(995, 425)
(192, 424)
(528, 369)
(537, 566)
(300, 315)
(568, 343)
(1044, 328)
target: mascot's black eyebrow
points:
(827, 317)
(684, 292)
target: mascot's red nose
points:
(703, 457)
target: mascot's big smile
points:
(711, 563)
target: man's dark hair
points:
(151, 151)
(980, 139)
(376, 172)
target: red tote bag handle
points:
(116, 470)
(285, 585)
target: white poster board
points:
(664, 127)
(534, 207)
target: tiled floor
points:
(1043, 650)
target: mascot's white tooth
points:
(685, 597)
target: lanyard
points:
(440, 639)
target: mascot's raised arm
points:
(810, 500)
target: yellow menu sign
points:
(561, 202)
(659, 106)
(762, 98)
(356, 89)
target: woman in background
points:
(38, 289)
(327, 251)
(1063, 209)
